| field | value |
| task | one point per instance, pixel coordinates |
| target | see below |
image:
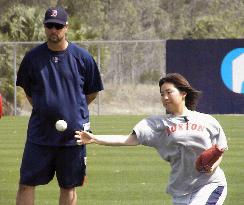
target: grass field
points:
(117, 175)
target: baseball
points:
(61, 125)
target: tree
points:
(86, 19)
(222, 19)
(19, 23)
(22, 23)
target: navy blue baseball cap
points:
(56, 15)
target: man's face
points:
(55, 32)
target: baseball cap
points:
(56, 15)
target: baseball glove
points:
(207, 158)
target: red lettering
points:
(187, 125)
(168, 131)
(193, 126)
(180, 126)
(173, 128)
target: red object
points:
(1, 106)
(207, 158)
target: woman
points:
(180, 137)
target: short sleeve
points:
(149, 131)
(218, 136)
(93, 81)
(23, 76)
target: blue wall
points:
(207, 65)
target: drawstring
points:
(186, 119)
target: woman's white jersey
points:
(180, 140)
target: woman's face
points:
(173, 100)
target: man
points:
(60, 80)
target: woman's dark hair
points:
(182, 84)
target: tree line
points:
(22, 20)
(126, 20)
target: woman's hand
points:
(84, 137)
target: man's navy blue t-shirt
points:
(58, 83)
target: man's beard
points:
(54, 39)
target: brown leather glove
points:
(207, 158)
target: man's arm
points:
(91, 97)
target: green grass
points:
(117, 175)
